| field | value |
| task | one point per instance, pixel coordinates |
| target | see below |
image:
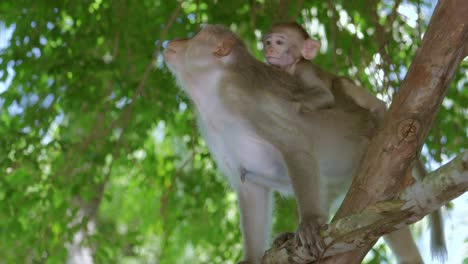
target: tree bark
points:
(406, 125)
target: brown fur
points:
(259, 141)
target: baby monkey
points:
(289, 47)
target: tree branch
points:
(354, 231)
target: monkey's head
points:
(210, 50)
(287, 43)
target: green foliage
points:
(90, 144)
(378, 255)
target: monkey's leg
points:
(402, 244)
(255, 203)
(304, 173)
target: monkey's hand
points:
(308, 237)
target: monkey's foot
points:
(308, 237)
(283, 238)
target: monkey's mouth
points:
(168, 53)
(272, 58)
(170, 50)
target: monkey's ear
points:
(310, 49)
(225, 46)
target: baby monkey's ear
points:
(310, 49)
(224, 46)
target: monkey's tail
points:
(438, 247)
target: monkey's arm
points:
(314, 93)
(313, 98)
(362, 97)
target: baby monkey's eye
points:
(279, 42)
(268, 42)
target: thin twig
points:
(300, 3)
(197, 12)
(164, 200)
(334, 30)
(156, 52)
(128, 111)
(253, 13)
(382, 38)
(165, 197)
(282, 11)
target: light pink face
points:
(285, 47)
(278, 50)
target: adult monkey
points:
(289, 47)
(260, 142)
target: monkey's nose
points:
(171, 46)
(269, 51)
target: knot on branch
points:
(408, 129)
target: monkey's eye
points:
(279, 42)
(268, 42)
